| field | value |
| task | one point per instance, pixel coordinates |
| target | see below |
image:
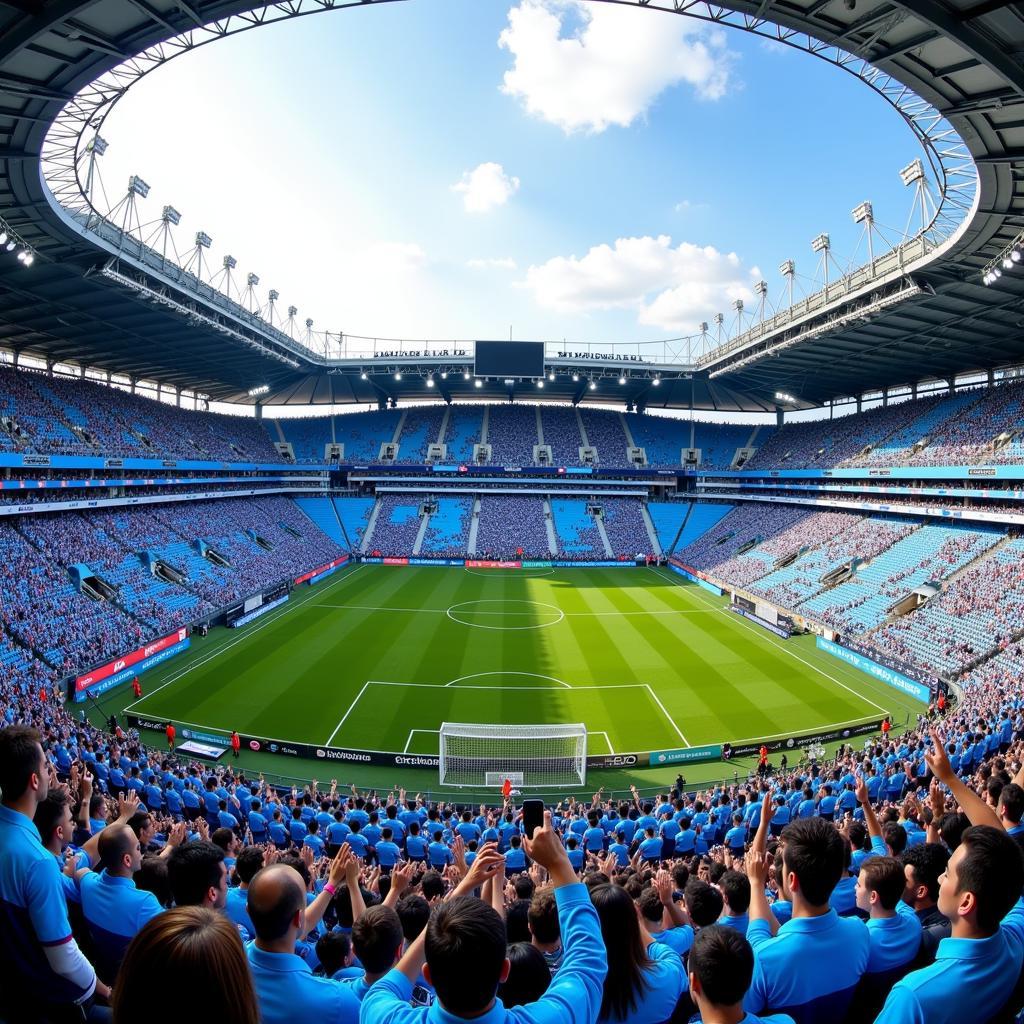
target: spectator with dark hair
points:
(334, 953)
(545, 934)
(528, 978)
(721, 967)
(813, 860)
(1011, 811)
(198, 875)
(152, 877)
(42, 970)
(894, 930)
(195, 946)
(735, 889)
(114, 909)
(378, 941)
(414, 913)
(922, 867)
(462, 952)
(704, 903)
(976, 970)
(249, 861)
(645, 978)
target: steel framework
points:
(945, 196)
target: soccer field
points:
(376, 658)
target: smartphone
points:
(533, 816)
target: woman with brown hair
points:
(201, 948)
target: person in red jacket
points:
(886, 726)
(171, 732)
(136, 687)
(236, 743)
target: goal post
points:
(530, 756)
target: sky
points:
(549, 169)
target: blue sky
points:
(454, 168)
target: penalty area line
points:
(664, 711)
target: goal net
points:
(528, 755)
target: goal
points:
(529, 756)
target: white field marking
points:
(601, 732)
(671, 720)
(534, 675)
(765, 635)
(442, 686)
(503, 629)
(408, 742)
(272, 617)
(519, 572)
(327, 742)
(568, 615)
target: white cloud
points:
(688, 206)
(673, 288)
(612, 67)
(485, 187)
(504, 263)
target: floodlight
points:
(822, 243)
(21, 255)
(444, 375)
(252, 279)
(622, 380)
(203, 239)
(261, 389)
(170, 215)
(575, 376)
(737, 304)
(478, 382)
(656, 382)
(1015, 255)
(274, 295)
(398, 375)
(138, 186)
(761, 288)
(719, 319)
(551, 375)
(11, 245)
(703, 327)
(863, 214)
(782, 396)
(363, 376)
(230, 263)
(3, 237)
(465, 375)
(98, 145)
(1007, 263)
(29, 260)
(309, 324)
(540, 383)
(787, 268)
(913, 172)
(292, 310)
(593, 385)
(430, 382)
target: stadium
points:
(270, 580)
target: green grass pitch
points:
(377, 657)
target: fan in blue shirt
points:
(721, 966)
(736, 837)
(813, 861)
(388, 853)
(463, 947)
(893, 927)
(415, 844)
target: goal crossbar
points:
(472, 753)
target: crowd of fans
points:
(883, 884)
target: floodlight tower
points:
(822, 244)
(169, 218)
(865, 214)
(94, 148)
(127, 211)
(195, 260)
(719, 319)
(249, 299)
(737, 305)
(225, 281)
(705, 341)
(290, 325)
(309, 332)
(269, 311)
(913, 176)
(787, 268)
(761, 290)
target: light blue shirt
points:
(288, 991)
(895, 941)
(115, 911)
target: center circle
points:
(462, 614)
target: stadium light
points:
(444, 375)
(203, 240)
(466, 375)
(363, 376)
(430, 382)
(3, 237)
(576, 377)
(540, 383)
(478, 382)
(656, 382)
(622, 380)
(230, 262)
(913, 172)
(138, 186)
(170, 215)
(398, 375)
(11, 245)
(29, 259)
(782, 396)
(593, 386)
(273, 295)
(98, 145)
(863, 214)
(252, 279)
(551, 376)
(262, 389)
(822, 243)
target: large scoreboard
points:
(508, 359)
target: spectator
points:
(529, 975)
(199, 948)
(42, 970)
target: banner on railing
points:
(889, 676)
(101, 679)
(321, 570)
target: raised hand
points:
(937, 759)
(401, 877)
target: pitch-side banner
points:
(135, 668)
(97, 675)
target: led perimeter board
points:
(508, 359)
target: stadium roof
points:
(965, 58)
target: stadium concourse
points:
(896, 860)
